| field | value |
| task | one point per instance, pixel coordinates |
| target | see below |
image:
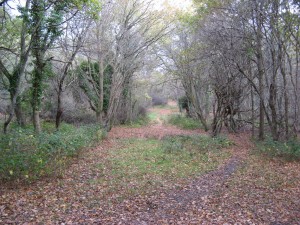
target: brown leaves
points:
(245, 190)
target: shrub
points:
(183, 103)
(289, 150)
(184, 122)
(26, 156)
(142, 111)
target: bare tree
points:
(69, 46)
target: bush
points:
(25, 156)
(184, 122)
(289, 150)
(183, 103)
(142, 111)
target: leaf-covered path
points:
(243, 190)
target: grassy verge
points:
(142, 165)
(166, 107)
(153, 116)
(140, 122)
(289, 150)
(184, 122)
(26, 156)
(143, 121)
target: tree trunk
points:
(19, 113)
(252, 113)
(117, 88)
(272, 102)
(100, 34)
(101, 92)
(59, 110)
(286, 98)
(217, 121)
(36, 93)
(7, 122)
(260, 67)
(199, 112)
(36, 121)
(15, 78)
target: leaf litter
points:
(245, 189)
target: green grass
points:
(140, 122)
(165, 107)
(153, 116)
(141, 164)
(184, 122)
(289, 150)
(191, 143)
(143, 121)
(27, 156)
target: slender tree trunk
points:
(252, 113)
(272, 103)
(59, 110)
(101, 91)
(19, 113)
(37, 92)
(260, 67)
(297, 105)
(117, 88)
(286, 98)
(9, 119)
(36, 121)
(217, 121)
(196, 103)
(100, 34)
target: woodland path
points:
(218, 197)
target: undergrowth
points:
(141, 165)
(25, 156)
(194, 142)
(139, 122)
(289, 150)
(184, 122)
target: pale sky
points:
(177, 4)
(184, 5)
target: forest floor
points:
(127, 180)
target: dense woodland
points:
(229, 64)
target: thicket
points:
(238, 64)
(25, 155)
(71, 69)
(289, 150)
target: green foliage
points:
(141, 165)
(183, 103)
(173, 144)
(289, 150)
(89, 72)
(153, 116)
(10, 33)
(184, 122)
(26, 156)
(92, 7)
(141, 121)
